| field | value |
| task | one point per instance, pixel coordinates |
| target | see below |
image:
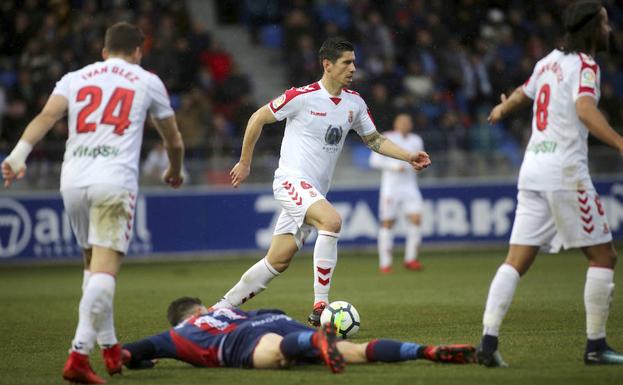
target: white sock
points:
(501, 294)
(414, 238)
(597, 296)
(252, 282)
(385, 245)
(95, 307)
(86, 274)
(325, 259)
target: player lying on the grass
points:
(268, 339)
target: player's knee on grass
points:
(267, 353)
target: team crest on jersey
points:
(350, 116)
(333, 135)
(278, 102)
(587, 78)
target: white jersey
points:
(316, 127)
(557, 155)
(397, 175)
(108, 104)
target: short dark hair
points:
(181, 308)
(123, 38)
(333, 47)
(582, 24)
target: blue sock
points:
(392, 351)
(596, 345)
(297, 345)
(489, 343)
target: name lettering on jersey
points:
(553, 67)
(95, 72)
(93, 152)
(315, 113)
(270, 319)
(124, 73)
(209, 322)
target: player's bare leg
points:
(397, 351)
(267, 353)
(325, 218)
(282, 248)
(414, 238)
(86, 273)
(501, 292)
(598, 292)
(386, 245)
(96, 320)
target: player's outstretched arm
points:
(378, 143)
(518, 99)
(14, 165)
(596, 123)
(173, 143)
(240, 172)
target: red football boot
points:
(325, 341)
(78, 370)
(112, 359)
(414, 265)
(314, 317)
(453, 354)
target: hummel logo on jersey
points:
(318, 113)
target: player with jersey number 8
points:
(106, 105)
(319, 117)
(557, 204)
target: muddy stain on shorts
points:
(111, 217)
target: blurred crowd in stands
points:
(444, 62)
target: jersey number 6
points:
(120, 97)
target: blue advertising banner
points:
(36, 227)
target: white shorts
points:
(295, 195)
(101, 215)
(403, 202)
(551, 219)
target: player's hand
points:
(9, 175)
(419, 160)
(239, 174)
(497, 113)
(173, 178)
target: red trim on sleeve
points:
(278, 103)
(593, 66)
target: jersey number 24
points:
(121, 97)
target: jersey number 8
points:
(542, 102)
(120, 97)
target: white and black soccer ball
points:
(344, 316)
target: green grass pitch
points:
(542, 337)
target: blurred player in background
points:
(319, 116)
(557, 204)
(106, 105)
(268, 339)
(399, 195)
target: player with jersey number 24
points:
(557, 204)
(106, 105)
(319, 116)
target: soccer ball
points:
(344, 316)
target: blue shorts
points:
(239, 345)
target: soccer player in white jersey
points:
(399, 194)
(319, 117)
(557, 204)
(106, 105)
